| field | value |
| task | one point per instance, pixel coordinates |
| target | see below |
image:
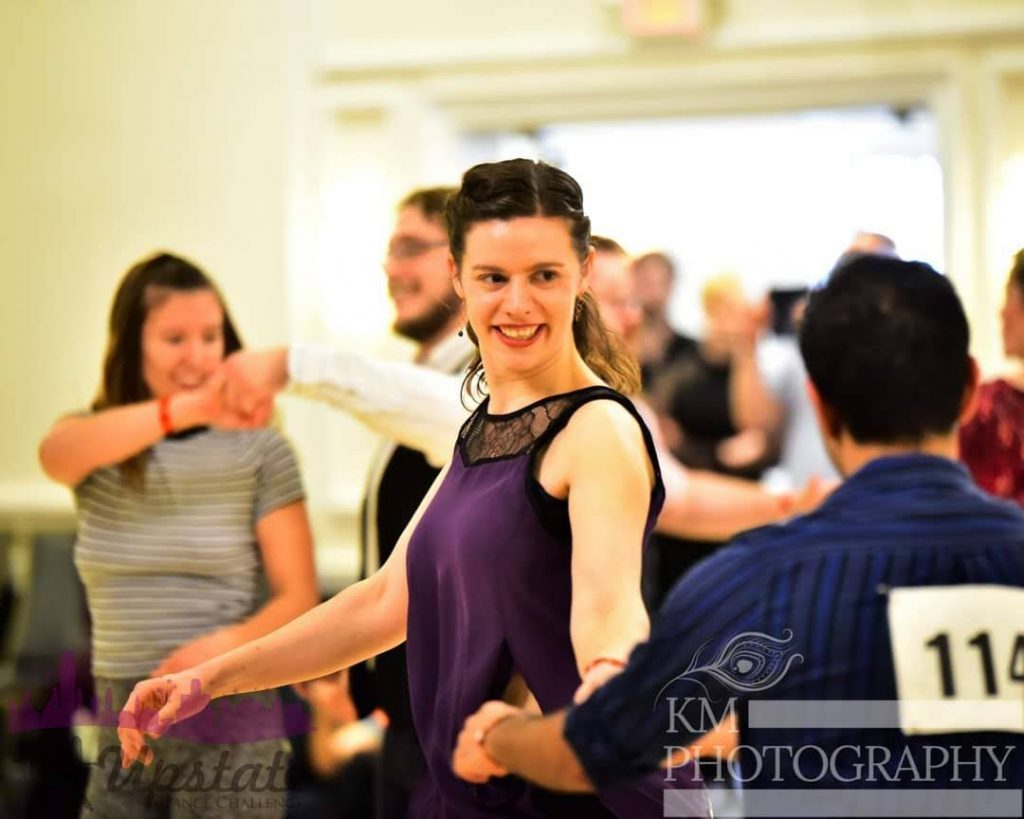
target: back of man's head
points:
(656, 260)
(885, 342)
(428, 201)
(605, 244)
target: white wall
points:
(129, 127)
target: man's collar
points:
(880, 472)
(449, 353)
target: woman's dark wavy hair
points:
(1017, 271)
(521, 188)
(146, 285)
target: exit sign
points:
(660, 18)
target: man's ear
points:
(453, 271)
(969, 401)
(828, 420)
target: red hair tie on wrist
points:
(164, 409)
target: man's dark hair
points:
(656, 257)
(429, 201)
(886, 345)
(604, 244)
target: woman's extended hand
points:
(196, 651)
(153, 707)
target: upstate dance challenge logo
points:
(246, 719)
(192, 786)
(225, 785)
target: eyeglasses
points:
(410, 248)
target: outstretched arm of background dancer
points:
(409, 403)
(363, 620)
(706, 506)
(752, 402)
(80, 444)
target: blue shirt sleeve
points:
(677, 684)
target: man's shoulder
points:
(914, 513)
(754, 552)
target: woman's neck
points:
(513, 391)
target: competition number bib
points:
(958, 652)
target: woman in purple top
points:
(521, 569)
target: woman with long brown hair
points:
(182, 524)
(521, 569)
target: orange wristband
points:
(598, 660)
(163, 407)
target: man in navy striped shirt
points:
(876, 644)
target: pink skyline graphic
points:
(229, 720)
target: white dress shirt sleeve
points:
(409, 403)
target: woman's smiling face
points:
(182, 341)
(520, 279)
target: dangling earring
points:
(577, 310)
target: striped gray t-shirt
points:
(179, 559)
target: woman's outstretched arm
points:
(80, 444)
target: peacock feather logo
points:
(748, 663)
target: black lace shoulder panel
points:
(485, 437)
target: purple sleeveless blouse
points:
(490, 592)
